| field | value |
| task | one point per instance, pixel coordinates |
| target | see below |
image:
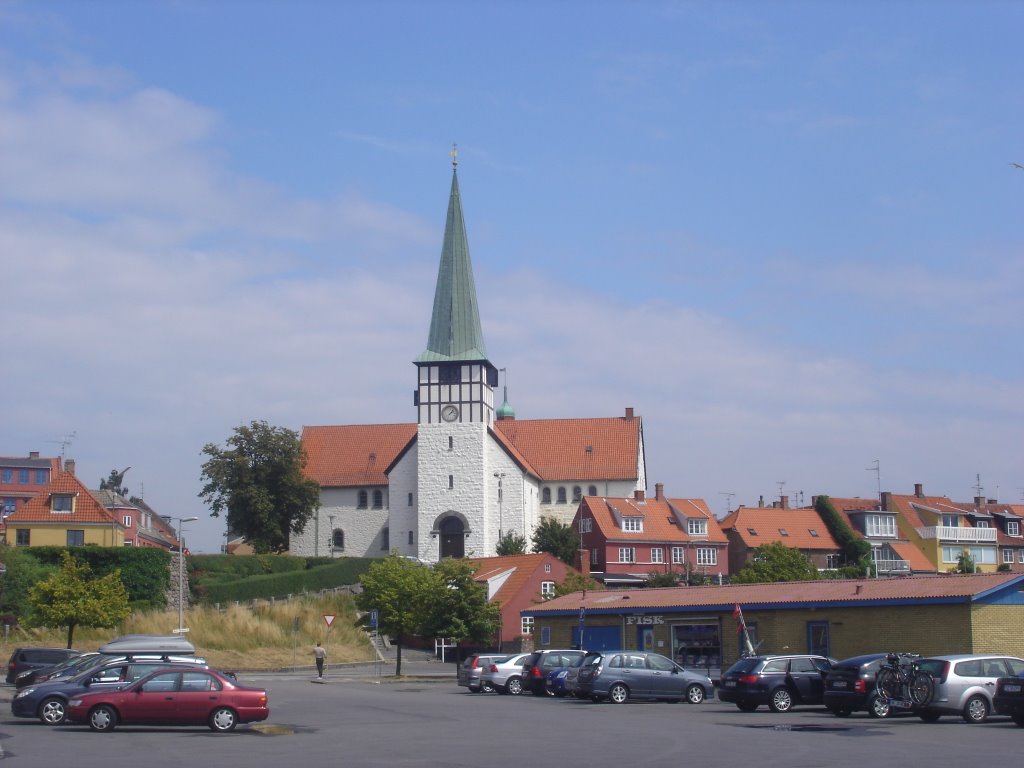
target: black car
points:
(1009, 698)
(850, 686)
(24, 659)
(781, 682)
(540, 663)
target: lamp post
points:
(500, 476)
(331, 535)
(181, 569)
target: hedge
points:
(339, 573)
(145, 571)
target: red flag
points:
(736, 612)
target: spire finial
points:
(455, 155)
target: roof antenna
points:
(455, 156)
(728, 500)
(64, 442)
(877, 469)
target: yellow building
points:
(64, 514)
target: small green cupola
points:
(505, 410)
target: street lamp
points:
(181, 569)
(331, 535)
(499, 475)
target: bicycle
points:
(901, 683)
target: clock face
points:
(449, 413)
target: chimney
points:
(69, 466)
(760, 501)
(583, 561)
(33, 454)
(784, 502)
(659, 491)
(858, 589)
(629, 414)
(638, 495)
(919, 490)
(979, 501)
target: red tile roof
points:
(522, 567)
(755, 526)
(914, 557)
(663, 520)
(966, 587)
(86, 508)
(354, 455)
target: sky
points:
(788, 234)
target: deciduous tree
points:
(776, 562)
(511, 543)
(257, 482)
(458, 607)
(557, 538)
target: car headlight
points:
(24, 692)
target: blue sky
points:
(789, 234)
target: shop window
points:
(697, 644)
(818, 640)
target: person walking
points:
(319, 654)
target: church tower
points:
(454, 402)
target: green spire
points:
(455, 332)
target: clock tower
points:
(454, 401)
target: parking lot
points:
(364, 723)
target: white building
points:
(466, 473)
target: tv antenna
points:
(64, 442)
(978, 488)
(728, 499)
(782, 485)
(877, 469)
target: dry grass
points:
(239, 637)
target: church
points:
(466, 473)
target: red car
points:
(172, 697)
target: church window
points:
(561, 495)
(451, 481)
(385, 538)
(592, 490)
(378, 499)
(577, 494)
(545, 496)
(338, 539)
(410, 499)
(411, 542)
(451, 443)
(362, 500)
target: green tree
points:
(511, 543)
(458, 606)
(776, 562)
(965, 563)
(399, 590)
(70, 597)
(258, 482)
(575, 581)
(23, 571)
(557, 538)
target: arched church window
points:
(545, 496)
(362, 500)
(338, 539)
(561, 494)
(378, 499)
(577, 494)
(592, 490)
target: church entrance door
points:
(453, 537)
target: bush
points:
(145, 571)
(338, 573)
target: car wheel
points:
(781, 700)
(976, 709)
(929, 717)
(695, 694)
(487, 688)
(223, 720)
(618, 694)
(472, 689)
(514, 685)
(841, 711)
(51, 711)
(878, 706)
(102, 718)
(746, 706)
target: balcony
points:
(891, 566)
(959, 535)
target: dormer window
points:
(1012, 528)
(879, 525)
(633, 524)
(696, 526)
(62, 502)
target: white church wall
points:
(403, 518)
(362, 527)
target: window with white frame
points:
(951, 554)
(547, 589)
(707, 556)
(832, 561)
(984, 555)
(547, 567)
(1007, 555)
(62, 502)
(696, 526)
(880, 525)
(632, 524)
(526, 625)
(981, 524)
(951, 521)
(127, 520)
(586, 524)
(595, 558)
(627, 555)
(657, 555)
(1022, 555)
(1012, 528)
(678, 555)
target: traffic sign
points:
(329, 618)
(373, 618)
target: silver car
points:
(621, 675)
(965, 683)
(505, 675)
(468, 672)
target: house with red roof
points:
(1008, 522)
(516, 583)
(21, 478)
(143, 527)
(748, 528)
(891, 552)
(467, 471)
(623, 540)
(65, 513)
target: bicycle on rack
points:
(900, 682)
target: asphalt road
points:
(358, 722)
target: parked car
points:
(622, 675)
(540, 664)
(74, 665)
(172, 697)
(24, 659)
(964, 684)
(1009, 698)
(557, 683)
(850, 686)
(469, 671)
(505, 675)
(48, 701)
(781, 682)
